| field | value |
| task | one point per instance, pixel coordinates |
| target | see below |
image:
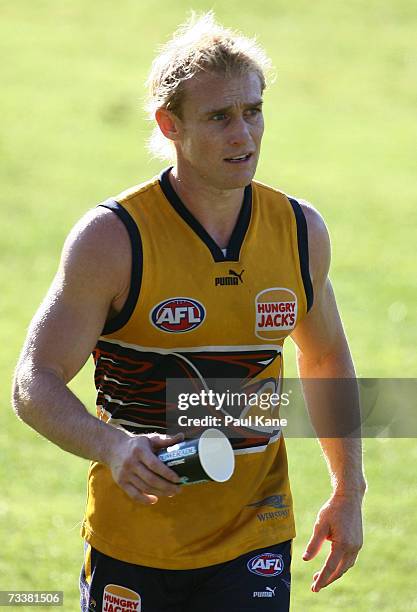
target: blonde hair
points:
(198, 45)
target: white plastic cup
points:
(207, 458)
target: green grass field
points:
(340, 131)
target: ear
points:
(168, 123)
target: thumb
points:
(164, 441)
(316, 541)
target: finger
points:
(154, 464)
(142, 498)
(320, 533)
(154, 481)
(345, 564)
(338, 574)
(159, 442)
(329, 567)
(148, 489)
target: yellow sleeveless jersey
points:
(194, 311)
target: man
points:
(158, 248)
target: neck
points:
(216, 209)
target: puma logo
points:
(239, 276)
(232, 279)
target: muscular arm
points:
(323, 353)
(91, 284)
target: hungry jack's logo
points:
(276, 313)
(117, 598)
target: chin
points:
(237, 180)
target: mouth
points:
(238, 159)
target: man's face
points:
(221, 129)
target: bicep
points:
(321, 332)
(65, 329)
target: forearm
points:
(43, 401)
(332, 398)
(344, 461)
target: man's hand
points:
(139, 472)
(340, 522)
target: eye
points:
(218, 117)
(253, 112)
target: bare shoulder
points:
(318, 241)
(97, 249)
(89, 288)
(99, 232)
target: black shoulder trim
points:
(302, 239)
(239, 231)
(136, 276)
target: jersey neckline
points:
(239, 231)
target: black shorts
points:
(256, 581)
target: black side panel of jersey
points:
(302, 239)
(136, 276)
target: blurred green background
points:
(341, 131)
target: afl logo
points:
(266, 565)
(178, 315)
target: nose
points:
(239, 132)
